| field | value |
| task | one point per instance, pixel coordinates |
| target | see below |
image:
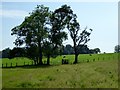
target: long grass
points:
(100, 74)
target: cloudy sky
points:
(102, 17)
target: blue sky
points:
(102, 17)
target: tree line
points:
(66, 50)
(43, 32)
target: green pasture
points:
(58, 60)
(93, 74)
(83, 75)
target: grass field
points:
(57, 61)
(101, 73)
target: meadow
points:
(96, 71)
(20, 61)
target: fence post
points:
(44, 62)
(103, 58)
(6, 64)
(11, 64)
(87, 60)
(16, 64)
(32, 62)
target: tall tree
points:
(79, 38)
(56, 35)
(117, 48)
(63, 17)
(33, 31)
(68, 49)
(83, 49)
(97, 50)
(6, 53)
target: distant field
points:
(57, 61)
(101, 73)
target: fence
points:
(11, 65)
(98, 59)
(7, 65)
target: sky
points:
(102, 17)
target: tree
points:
(97, 50)
(77, 37)
(0, 54)
(56, 35)
(83, 49)
(33, 31)
(42, 32)
(17, 52)
(117, 48)
(94, 51)
(68, 49)
(49, 51)
(68, 19)
(5, 53)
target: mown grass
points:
(94, 74)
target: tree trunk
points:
(76, 54)
(40, 57)
(37, 61)
(48, 60)
(76, 59)
(40, 54)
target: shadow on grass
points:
(35, 66)
(30, 66)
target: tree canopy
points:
(43, 29)
(117, 49)
(43, 32)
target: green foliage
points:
(42, 29)
(117, 48)
(33, 31)
(74, 28)
(5, 53)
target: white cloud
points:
(13, 13)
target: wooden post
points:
(32, 62)
(87, 60)
(44, 62)
(6, 64)
(11, 64)
(62, 61)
